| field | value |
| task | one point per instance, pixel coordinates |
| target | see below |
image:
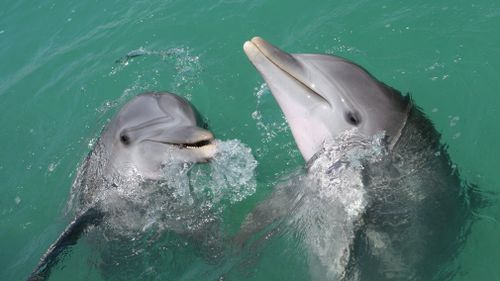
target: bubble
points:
(260, 91)
(256, 115)
(454, 120)
(52, 167)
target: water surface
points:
(60, 81)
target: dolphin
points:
(148, 132)
(416, 214)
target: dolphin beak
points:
(259, 51)
(292, 84)
(199, 141)
(263, 54)
(257, 47)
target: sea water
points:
(67, 67)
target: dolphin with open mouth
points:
(149, 132)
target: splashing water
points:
(338, 202)
(177, 218)
(231, 175)
(326, 206)
(269, 129)
(177, 65)
(186, 199)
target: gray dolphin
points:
(147, 133)
(416, 211)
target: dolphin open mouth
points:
(202, 150)
(191, 137)
(198, 144)
(188, 145)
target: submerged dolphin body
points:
(149, 132)
(415, 210)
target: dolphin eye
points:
(352, 118)
(125, 139)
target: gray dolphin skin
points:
(328, 95)
(148, 132)
(416, 214)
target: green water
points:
(59, 83)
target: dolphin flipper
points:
(91, 216)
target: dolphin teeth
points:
(196, 144)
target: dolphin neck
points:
(418, 132)
(407, 112)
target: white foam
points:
(186, 198)
(335, 200)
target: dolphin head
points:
(153, 129)
(322, 96)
